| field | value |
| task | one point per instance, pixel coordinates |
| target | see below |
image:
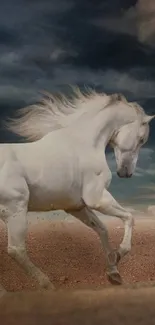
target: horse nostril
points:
(128, 175)
(120, 174)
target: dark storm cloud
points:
(45, 45)
(55, 43)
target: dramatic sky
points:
(109, 44)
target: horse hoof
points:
(115, 278)
(3, 292)
(46, 284)
(51, 287)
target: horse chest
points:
(96, 165)
(107, 176)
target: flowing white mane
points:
(35, 121)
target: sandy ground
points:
(72, 256)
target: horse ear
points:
(148, 118)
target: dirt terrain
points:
(72, 256)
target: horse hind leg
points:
(16, 222)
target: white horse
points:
(66, 169)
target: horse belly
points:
(54, 201)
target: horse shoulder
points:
(95, 163)
(94, 183)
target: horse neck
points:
(82, 108)
(96, 128)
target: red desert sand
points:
(71, 255)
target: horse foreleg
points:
(90, 219)
(109, 206)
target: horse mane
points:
(139, 109)
(52, 112)
(116, 98)
(35, 121)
